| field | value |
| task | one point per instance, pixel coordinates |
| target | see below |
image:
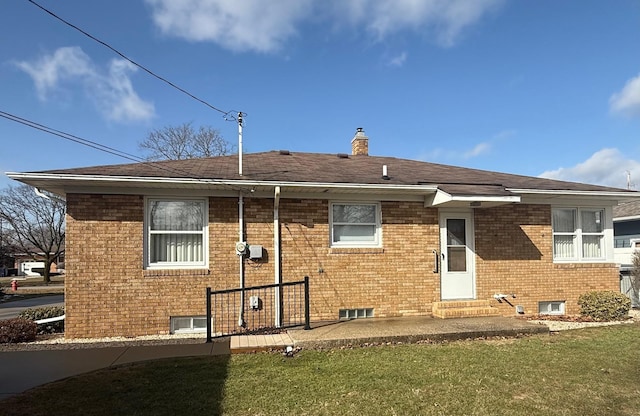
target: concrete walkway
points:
(22, 370)
(410, 329)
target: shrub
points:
(44, 312)
(17, 330)
(606, 305)
(635, 275)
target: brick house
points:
(377, 236)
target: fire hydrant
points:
(14, 285)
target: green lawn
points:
(5, 282)
(584, 372)
(31, 287)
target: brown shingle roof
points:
(627, 209)
(330, 168)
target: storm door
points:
(457, 277)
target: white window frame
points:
(606, 235)
(546, 307)
(377, 237)
(148, 232)
(191, 330)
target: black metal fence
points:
(257, 309)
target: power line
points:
(70, 137)
(107, 149)
(226, 114)
(92, 144)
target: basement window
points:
(188, 324)
(551, 308)
(355, 313)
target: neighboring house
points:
(377, 236)
(626, 231)
(31, 265)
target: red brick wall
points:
(108, 293)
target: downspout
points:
(276, 262)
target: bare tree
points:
(6, 249)
(36, 221)
(184, 142)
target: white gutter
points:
(277, 255)
(230, 183)
(630, 195)
(630, 218)
(41, 194)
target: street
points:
(10, 310)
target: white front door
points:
(457, 277)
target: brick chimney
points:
(360, 143)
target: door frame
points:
(467, 215)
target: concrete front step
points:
(463, 309)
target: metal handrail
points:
(242, 291)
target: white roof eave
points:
(64, 180)
(619, 195)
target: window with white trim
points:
(551, 308)
(355, 224)
(188, 324)
(176, 233)
(578, 234)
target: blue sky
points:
(527, 87)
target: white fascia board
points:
(630, 218)
(508, 199)
(630, 196)
(99, 179)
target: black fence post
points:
(208, 315)
(307, 319)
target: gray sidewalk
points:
(22, 370)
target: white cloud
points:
(237, 25)
(482, 148)
(479, 149)
(504, 135)
(447, 18)
(254, 25)
(117, 99)
(627, 101)
(606, 167)
(112, 93)
(50, 70)
(398, 61)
